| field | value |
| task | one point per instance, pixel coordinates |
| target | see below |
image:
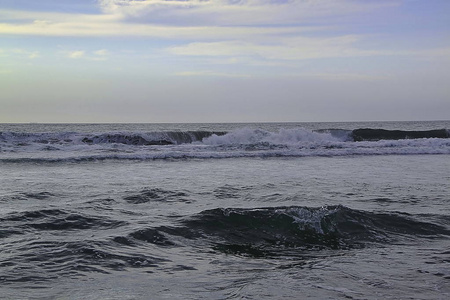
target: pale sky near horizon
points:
(224, 60)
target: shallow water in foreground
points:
(368, 227)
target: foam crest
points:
(248, 136)
(309, 219)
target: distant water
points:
(225, 211)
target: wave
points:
(55, 219)
(367, 134)
(300, 135)
(424, 148)
(334, 227)
(63, 243)
(239, 136)
(127, 138)
(40, 261)
(286, 231)
(156, 195)
(55, 241)
(244, 142)
(282, 137)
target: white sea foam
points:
(309, 219)
(248, 136)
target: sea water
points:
(224, 211)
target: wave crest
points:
(248, 136)
(275, 231)
(245, 142)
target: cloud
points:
(60, 24)
(297, 48)
(101, 52)
(437, 53)
(18, 52)
(41, 23)
(211, 73)
(75, 54)
(5, 71)
(199, 19)
(237, 12)
(244, 30)
(97, 55)
(343, 76)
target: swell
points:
(368, 134)
(279, 230)
(283, 136)
(55, 220)
(127, 138)
(46, 244)
(40, 261)
(290, 231)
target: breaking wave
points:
(244, 142)
(127, 138)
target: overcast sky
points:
(224, 60)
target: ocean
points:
(357, 210)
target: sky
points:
(152, 61)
